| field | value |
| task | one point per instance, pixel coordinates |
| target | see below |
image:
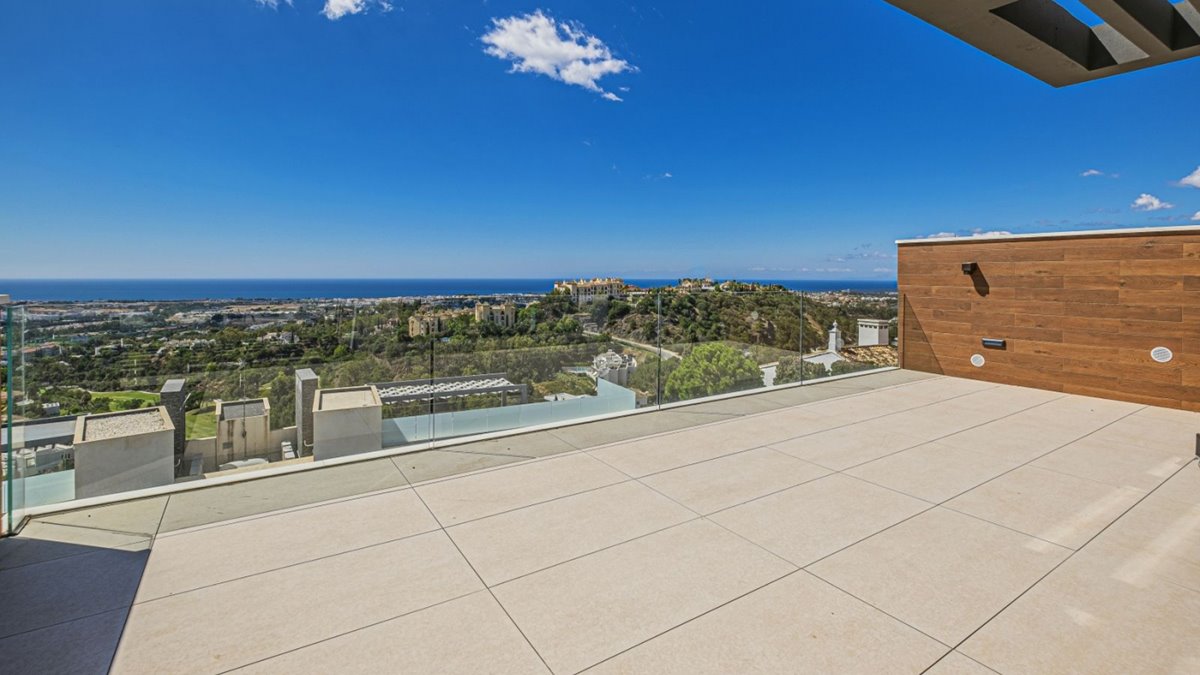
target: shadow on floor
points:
(63, 604)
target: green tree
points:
(645, 378)
(710, 369)
(790, 369)
(846, 367)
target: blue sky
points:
(233, 138)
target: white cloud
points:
(1091, 172)
(336, 9)
(977, 232)
(1191, 180)
(1147, 202)
(560, 50)
(1196, 217)
(273, 4)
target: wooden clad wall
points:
(1080, 314)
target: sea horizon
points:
(167, 290)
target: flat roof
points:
(341, 399)
(1129, 231)
(128, 423)
(446, 387)
(241, 409)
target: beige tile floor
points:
(894, 523)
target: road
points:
(640, 345)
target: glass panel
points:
(723, 338)
(227, 374)
(20, 413)
(513, 362)
(849, 332)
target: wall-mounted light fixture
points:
(970, 267)
(994, 343)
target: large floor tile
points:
(140, 516)
(593, 434)
(1104, 459)
(483, 494)
(810, 521)
(428, 465)
(934, 471)
(80, 647)
(587, 610)
(1085, 619)
(1046, 504)
(728, 481)
(526, 446)
(1154, 433)
(432, 640)
(737, 405)
(942, 572)
(822, 391)
(1183, 486)
(1076, 414)
(1020, 438)
(41, 542)
(670, 451)
(954, 663)
(43, 594)
(798, 624)
(226, 502)
(1157, 541)
(235, 623)
(189, 560)
(850, 445)
(515, 543)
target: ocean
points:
(80, 290)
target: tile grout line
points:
(133, 600)
(287, 509)
(599, 550)
(684, 623)
(94, 549)
(278, 512)
(147, 535)
(934, 505)
(943, 502)
(490, 454)
(770, 444)
(352, 631)
(128, 608)
(798, 568)
(1072, 554)
(480, 578)
(848, 475)
(297, 563)
(952, 650)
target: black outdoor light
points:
(970, 267)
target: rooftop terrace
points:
(890, 522)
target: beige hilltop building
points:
(431, 322)
(584, 291)
(504, 315)
(434, 322)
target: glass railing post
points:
(658, 394)
(432, 398)
(801, 345)
(8, 416)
